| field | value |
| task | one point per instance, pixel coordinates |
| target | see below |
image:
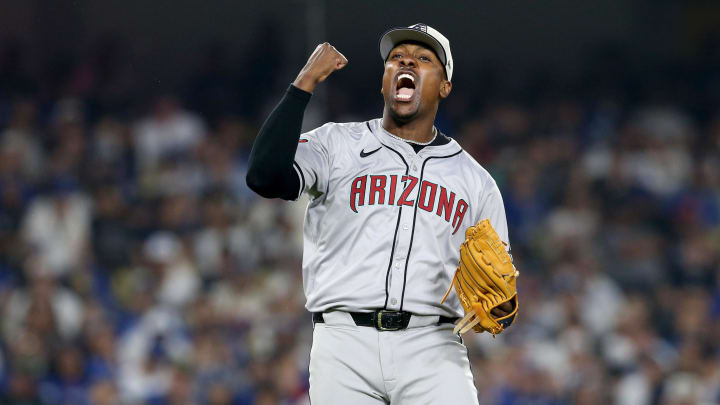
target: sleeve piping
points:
(301, 176)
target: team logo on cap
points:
(419, 27)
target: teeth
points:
(403, 97)
(408, 76)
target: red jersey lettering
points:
(408, 189)
(377, 187)
(460, 211)
(357, 193)
(393, 186)
(427, 196)
(445, 204)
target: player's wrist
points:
(305, 83)
(297, 93)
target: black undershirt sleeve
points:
(270, 169)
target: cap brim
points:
(395, 36)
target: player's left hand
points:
(502, 310)
(485, 282)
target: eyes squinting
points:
(423, 58)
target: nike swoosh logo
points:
(364, 154)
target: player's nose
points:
(408, 61)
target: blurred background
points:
(136, 268)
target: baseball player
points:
(390, 199)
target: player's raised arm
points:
(270, 169)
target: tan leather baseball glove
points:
(484, 279)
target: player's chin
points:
(404, 111)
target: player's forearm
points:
(270, 171)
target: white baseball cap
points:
(421, 33)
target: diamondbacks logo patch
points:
(419, 27)
(302, 140)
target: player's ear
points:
(445, 88)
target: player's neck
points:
(418, 130)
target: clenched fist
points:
(323, 61)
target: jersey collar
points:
(430, 150)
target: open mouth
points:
(405, 87)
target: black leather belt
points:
(382, 319)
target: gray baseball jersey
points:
(384, 225)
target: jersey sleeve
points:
(312, 160)
(494, 210)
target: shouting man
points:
(391, 199)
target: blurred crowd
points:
(137, 268)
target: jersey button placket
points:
(403, 245)
(398, 269)
(398, 266)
